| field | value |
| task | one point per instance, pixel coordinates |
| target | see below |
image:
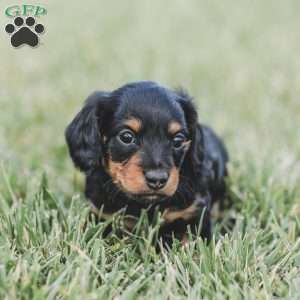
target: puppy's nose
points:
(156, 179)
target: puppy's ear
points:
(195, 154)
(84, 133)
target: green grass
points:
(240, 60)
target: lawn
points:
(240, 60)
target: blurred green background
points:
(240, 61)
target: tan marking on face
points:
(129, 175)
(172, 183)
(174, 127)
(134, 124)
(170, 215)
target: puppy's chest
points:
(169, 213)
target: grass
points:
(240, 60)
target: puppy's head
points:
(139, 135)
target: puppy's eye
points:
(127, 137)
(178, 140)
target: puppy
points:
(141, 147)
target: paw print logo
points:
(24, 32)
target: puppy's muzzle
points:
(156, 179)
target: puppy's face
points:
(146, 145)
(144, 133)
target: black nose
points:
(156, 179)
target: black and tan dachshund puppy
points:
(141, 147)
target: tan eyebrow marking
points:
(134, 124)
(174, 127)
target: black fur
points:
(91, 139)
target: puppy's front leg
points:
(197, 215)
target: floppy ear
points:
(84, 134)
(195, 155)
